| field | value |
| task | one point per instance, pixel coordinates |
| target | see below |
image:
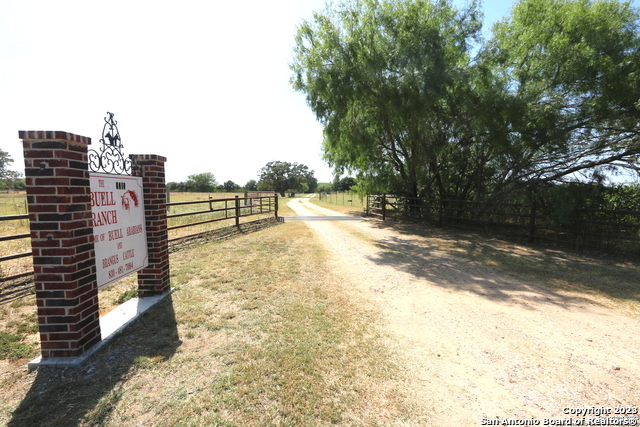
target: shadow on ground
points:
(87, 394)
(14, 292)
(503, 270)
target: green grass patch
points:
(126, 296)
(12, 347)
(14, 203)
(19, 329)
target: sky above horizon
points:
(205, 84)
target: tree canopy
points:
(251, 185)
(201, 182)
(284, 176)
(572, 69)
(230, 186)
(408, 107)
(343, 184)
(9, 179)
(5, 161)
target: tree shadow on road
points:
(499, 269)
(87, 394)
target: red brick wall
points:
(154, 280)
(59, 201)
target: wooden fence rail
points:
(4, 257)
(216, 210)
(343, 198)
(222, 209)
(591, 228)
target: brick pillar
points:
(153, 280)
(59, 200)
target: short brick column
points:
(59, 201)
(153, 280)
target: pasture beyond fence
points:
(17, 242)
(216, 210)
(613, 230)
(187, 219)
(342, 198)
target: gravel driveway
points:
(481, 346)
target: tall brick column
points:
(59, 200)
(154, 280)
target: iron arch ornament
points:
(109, 158)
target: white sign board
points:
(119, 233)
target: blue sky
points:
(203, 83)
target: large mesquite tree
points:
(407, 107)
(389, 80)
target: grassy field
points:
(258, 332)
(13, 204)
(204, 197)
(350, 200)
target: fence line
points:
(221, 209)
(13, 256)
(343, 198)
(579, 227)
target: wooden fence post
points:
(237, 211)
(383, 204)
(275, 195)
(440, 208)
(532, 223)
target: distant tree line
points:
(339, 184)
(281, 177)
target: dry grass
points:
(18, 321)
(14, 204)
(258, 332)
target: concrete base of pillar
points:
(111, 324)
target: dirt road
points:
(481, 346)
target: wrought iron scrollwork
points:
(110, 158)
